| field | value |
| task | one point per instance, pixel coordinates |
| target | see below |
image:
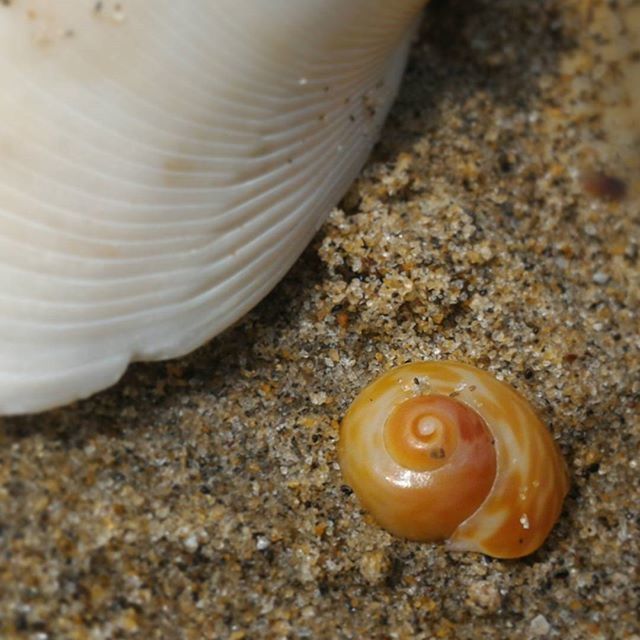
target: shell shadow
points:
(141, 397)
(463, 47)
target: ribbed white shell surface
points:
(163, 163)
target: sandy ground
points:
(497, 224)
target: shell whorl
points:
(445, 451)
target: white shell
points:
(162, 165)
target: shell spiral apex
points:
(445, 451)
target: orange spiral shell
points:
(445, 451)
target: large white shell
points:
(163, 163)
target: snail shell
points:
(445, 451)
(162, 165)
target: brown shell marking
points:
(445, 451)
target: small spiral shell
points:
(445, 451)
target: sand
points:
(497, 223)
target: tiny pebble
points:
(262, 543)
(539, 626)
(374, 566)
(318, 398)
(191, 543)
(483, 597)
